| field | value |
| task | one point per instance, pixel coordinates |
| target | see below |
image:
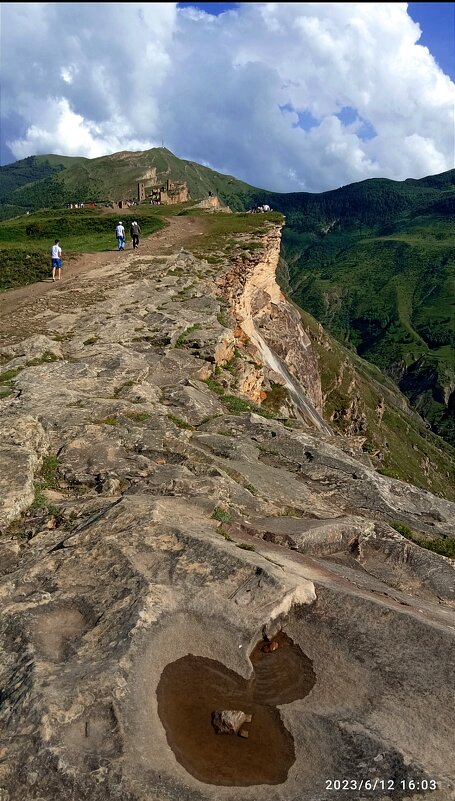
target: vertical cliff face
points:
(273, 328)
(162, 513)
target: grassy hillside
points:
(25, 241)
(360, 400)
(25, 172)
(110, 178)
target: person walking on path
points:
(120, 234)
(56, 254)
(135, 230)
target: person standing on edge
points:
(120, 234)
(56, 254)
(135, 230)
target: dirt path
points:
(177, 234)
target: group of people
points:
(261, 209)
(56, 251)
(135, 231)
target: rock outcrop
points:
(188, 514)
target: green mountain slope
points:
(374, 262)
(359, 400)
(111, 178)
(25, 172)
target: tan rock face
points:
(150, 513)
(274, 329)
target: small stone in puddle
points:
(230, 721)
(268, 647)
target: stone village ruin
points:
(164, 194)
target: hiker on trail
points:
(135, 230)
(120, 234)
(56, 254)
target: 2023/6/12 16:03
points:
(381, 784)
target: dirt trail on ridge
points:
(178, 233)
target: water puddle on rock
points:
(192, 688)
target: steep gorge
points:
(170, 488)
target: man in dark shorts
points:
(56, 253)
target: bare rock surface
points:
(149, 510)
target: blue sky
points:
(285, 96)
(437, 21)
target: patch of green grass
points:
(234, 404)
(48, 471)
(208, 419)
(222, 515)
(46, 358)
(39, 501)
(5, 393)
(229, 365)
(125, 384)
(441, 545)
(181, 339)
(63, 337)
(277, 396)
(222, 319)
(107, 421)
(388, 472)
(45, 479)
(292, 511)
(138, 417)
(191, 213)
(222, 230)
(180, 423)
(221, 530)
(214, 386)
(246, 547)
(8, 375)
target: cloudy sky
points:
(286, 96)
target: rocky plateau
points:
(169, 488)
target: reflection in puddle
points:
(193, 687)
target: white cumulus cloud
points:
(288, 96)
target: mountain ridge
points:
(372, 261)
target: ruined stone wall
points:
(175, 194)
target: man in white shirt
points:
(120, 234)
(56, 254)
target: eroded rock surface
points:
(180, 521)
